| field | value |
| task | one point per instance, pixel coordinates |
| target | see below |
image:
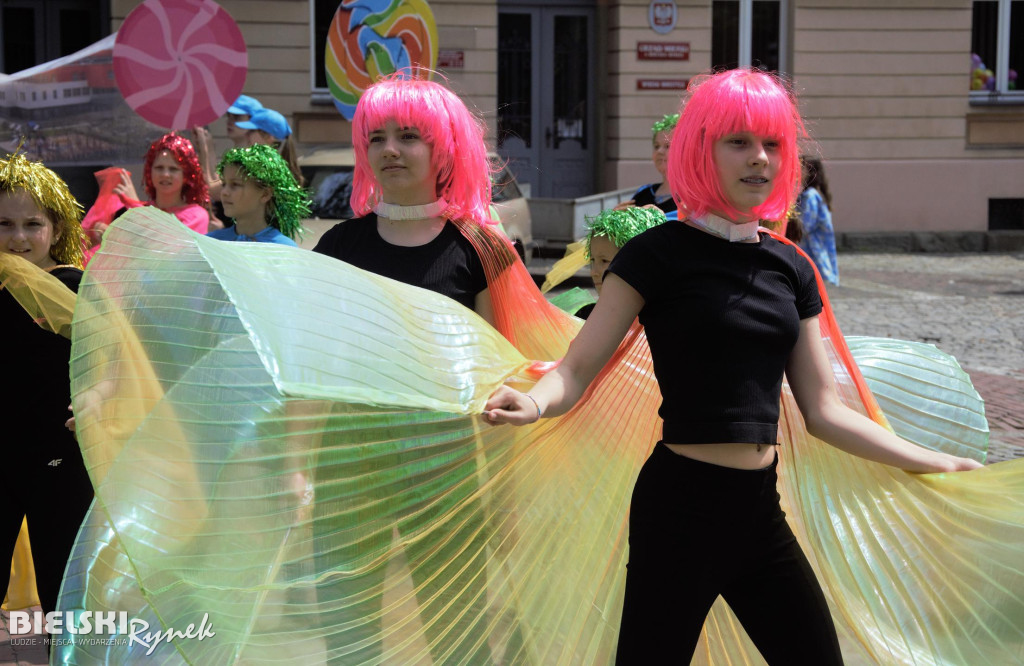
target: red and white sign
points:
(661, 84)
(451, 59)
(663, 50)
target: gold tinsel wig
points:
(52, 195)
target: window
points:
(36, 31)
(323, 12)
(997, 51)
(748, 33)
(515, 90)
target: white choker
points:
(723, 228)
(420, 212)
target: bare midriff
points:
(738, 455)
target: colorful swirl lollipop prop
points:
(372, 38)
(180, 63)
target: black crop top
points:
(721, 319)
(448, 264)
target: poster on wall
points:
(172, 65)
(368, 39)
(69, 112)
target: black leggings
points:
(48, 485)
(697, 531)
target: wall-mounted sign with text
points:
(661, 16)
(447, 59)
(661, 84)
(663, 50)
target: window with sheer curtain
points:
(997, 51)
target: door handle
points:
(547, 137)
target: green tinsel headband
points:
(619, 226)
(266, 167)
(666, 124)
(52, 195)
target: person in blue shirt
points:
(261, 197)
(819, 239)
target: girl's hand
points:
(507, 405)
(126, 188)
(624, 205)
(958, 464)
(201, 140)
(70, 423)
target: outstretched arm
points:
(827, 418)
(560, 389)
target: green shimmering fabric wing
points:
(572, 300)
(925, 394)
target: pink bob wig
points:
(737, 100)
(194, 189)
(456, 138)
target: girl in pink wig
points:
(421, 166)
(421, 189)
(727, 308)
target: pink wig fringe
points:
(194, 189)
(454, 134)
(737, 100)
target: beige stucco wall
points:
(882, 85)
(883, 89)
(631, 112)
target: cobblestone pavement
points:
(968, 305)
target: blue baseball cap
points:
(245, 106)
(268, 120)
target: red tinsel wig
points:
(193, 190)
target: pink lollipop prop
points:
(180, 63)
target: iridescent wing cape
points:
(289, 447)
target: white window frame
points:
(1001, 95)
(746, 22)
(317, 95)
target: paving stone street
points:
(968, 305)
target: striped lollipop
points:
(371, 38)
(180, 63)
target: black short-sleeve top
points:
(721, 319)
(449, 264)
(41, 365)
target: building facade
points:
(569, 90)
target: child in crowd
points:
(657, 194)
(606, 234)
(46, 481)
(240, 111)
(174, 183)
(814, 204)
(260, 196)
(270, 128)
